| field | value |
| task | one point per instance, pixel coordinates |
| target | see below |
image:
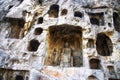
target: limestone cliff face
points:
(59, 40)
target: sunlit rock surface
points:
(59, 40)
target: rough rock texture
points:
(59, 40)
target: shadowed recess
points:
(54, 11)
(19, 77)
(65, 41)
(64, 12)
(90, 43)
(38, 31)
(92, 77)
(33, 45)
(65, 33)
(78, 14)
(104, 45)
(97, 18)
(94, 63)
(116, 20)
(40, 20)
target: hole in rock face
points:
(90, 43)
(33, 45)
(40, 2)
(104, 45)
(38, 31)
(94, 21)
(111, 70)
(64, 12)
(64, 46)
(109, 24)
(116, 20)
(16, 26)
(19, 77)
(10, 6)
(40, 20)
(78, 14)
(97, 19)
(92, 78)
(94, 63)
(54, 11)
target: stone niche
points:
(116, 20)
(40, 20)
(33, 45)
(97, 19)
(53, 11)
(104, 45)
(78, 14)
(64, 46)
(111, 69)
(10, 74)
(90, 43)
(38, 31)
(15, 28)
(94, 63)
(64, 12)
(92, 78)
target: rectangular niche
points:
(16, 27)
(64, 46)
(97, 19)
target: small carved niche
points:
(97, 18)
(78, 14)
(95, 63)
(92, 78)
(64, 12)
(33, 45)
(38, 31)
(104, 45)
(54, 11)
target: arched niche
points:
(92, 78)
(78, 14)
(116, 20)
(64, 46)
(33, 45)
(90, 43)
(94, 63)
(111, 70)
(38, 31)
(53, 11)
(64, 12)
(104, 45)
(19, 77)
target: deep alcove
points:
(116, 20)
(65, 45)
(104, 45)
(64, 12)
(19, 77)
(54, 11)
(33, 45)
(38, 31)
(78, 14)
(94, 63)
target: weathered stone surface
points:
(60, 39)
